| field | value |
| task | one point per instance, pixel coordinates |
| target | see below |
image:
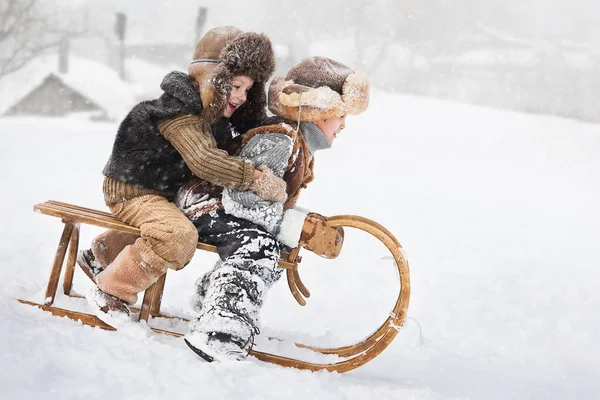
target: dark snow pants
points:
(230, 296)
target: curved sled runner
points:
(353, 356)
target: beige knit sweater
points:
(198, 149)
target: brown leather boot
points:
(118, 287)
(104, 250)
(320, 237)
(125, 277)
(108, 308)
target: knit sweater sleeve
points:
(200, 153)
(270, 149)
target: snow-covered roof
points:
(94, 80)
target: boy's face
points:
(240, 85)
(331, 127)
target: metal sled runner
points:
(353, 356)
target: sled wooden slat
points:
(352, 356)
(71, 258)
(293, 286)
(133, 309)
(59, 258)
(305, 292)
(92, 320)
(160, 288)
(68, 212)
(86, 319)
(147, 303)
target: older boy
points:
(162, 143)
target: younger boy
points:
(310, 104)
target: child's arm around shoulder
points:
(272, 150)
(200, 153)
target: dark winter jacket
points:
(141, 155)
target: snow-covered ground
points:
(498, 213)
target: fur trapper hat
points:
(319, 88)
(220, 55)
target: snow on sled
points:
(350, 357)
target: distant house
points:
(64, 100)
(88, 87)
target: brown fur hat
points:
(319, 88)
(237, 53)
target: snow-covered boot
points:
(201, 288)
(108, 308)
(216, 346)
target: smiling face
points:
(331, 127)
(240, 85)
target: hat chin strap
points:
(299, 113)
(208, 60)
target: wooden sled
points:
(353, 356)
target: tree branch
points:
(25, 33)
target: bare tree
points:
(24, 33)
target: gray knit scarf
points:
(315, 138)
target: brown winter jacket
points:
(299, 171)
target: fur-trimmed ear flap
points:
(207, 93)
(277, 86)
(214, 92)
(356, 93)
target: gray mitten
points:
(269, 187)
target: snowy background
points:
(497, 210)
(540, 56)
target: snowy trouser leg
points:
(202, 286)
(231, 295)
